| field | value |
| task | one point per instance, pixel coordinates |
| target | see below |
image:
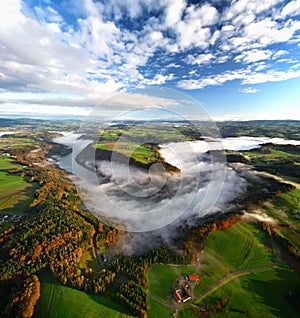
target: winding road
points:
(220, 282)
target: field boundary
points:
(222, 281)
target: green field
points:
(239, 247)
(162, 278)
(58, 301)
(292, 236)
(15, 192)
(15, 142)
(281, 210)
(274, 154)
(130, 149)
(158, 310)
(261, 294)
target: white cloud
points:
(279, 53)
(218, 79)
(249, 90)
(291, 9)
(159, 79)
(173, 65)
(268, 31)
(93, 58)
(244, 8)
(270, 76)
(174, 12)
(246, 76)
(253, 56)
(193, 30)
(207, 14)
(199, 59)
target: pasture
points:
(262, 294)
(130, 149)
(237, 248)
(15, 192)
(282, 211)
(57, 300)
(162, 278)
(14, 141)
(158, 310)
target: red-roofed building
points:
(193, 278)
(181, 295)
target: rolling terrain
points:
(247, 260)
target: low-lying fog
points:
(157, 202)
(3, 133)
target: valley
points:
(241, 252)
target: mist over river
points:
(145, 201)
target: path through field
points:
(222, 281)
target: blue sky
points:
(239, 59)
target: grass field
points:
(274, 154)
(88, 260)
(292, 236)
(262, 294)
(162, 278)
(158, 310)
(58, 301)
(15, 142)
(13, 188)
(139, 153)
(281, 210)
(227, 251)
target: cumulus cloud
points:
(253, 56)
(200, 59)
(101, 48)
(291, 9)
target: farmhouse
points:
(181, 295)
(193, 278)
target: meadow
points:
(130, 149)
(15, 192)
(57, 300)
(158, 310)
(261, 294)
(162, 278)
(88, 260)
(237, 248)
(243, 246)
(282, 209)
(282, 160)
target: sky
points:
(238, 59)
